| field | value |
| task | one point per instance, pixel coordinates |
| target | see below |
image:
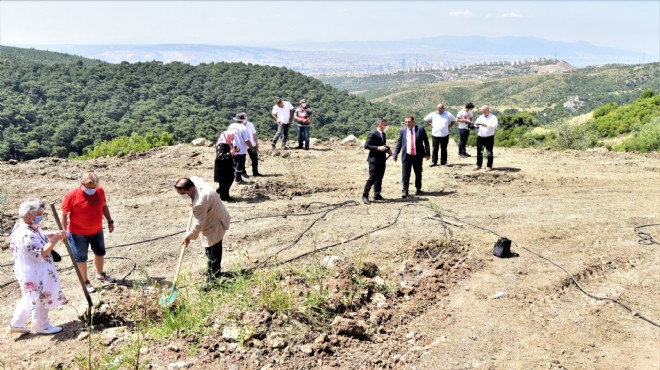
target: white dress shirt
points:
(491, 124)
(440, 123)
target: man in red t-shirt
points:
(83, 209)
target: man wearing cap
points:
(282, 112)
(377, 144)
(487, 124)
(440, 122)
(303, 116)
(243, 143)
(210, 221)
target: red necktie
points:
(412, 142)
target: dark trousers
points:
(376, 173)
(303, 137)
(485, 142)
(463, 134)
(441, 142)
(282, 130)
(414, 162)
(214, 256)
(254, 158)
(239, 166)
(223, 174)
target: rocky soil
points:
(433, 295)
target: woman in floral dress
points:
(35, 271)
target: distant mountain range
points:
(363, 56)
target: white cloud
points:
(511, 15)
(461, 13)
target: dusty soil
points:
(452, 305)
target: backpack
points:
(502, 248)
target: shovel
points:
(168, 299)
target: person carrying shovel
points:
(210, 220)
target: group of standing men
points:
(282, 113)
(413, 146)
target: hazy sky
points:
(630, 25)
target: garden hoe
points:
(168, 299)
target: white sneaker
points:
(50, 330)
(18, 329)
(104, 278)
(89, 287)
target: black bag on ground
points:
(502, 248)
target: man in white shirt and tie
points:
(413, 144)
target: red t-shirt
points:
(85, 211)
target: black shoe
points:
(365, 199)
(299, 147)
(273, 146)
(462, 155)
(467, 155)
(404, 195)
(246, 175)
(239, 181)
(433, 164)
(379, 197)
(306, 148)
(419, 192)
(257, 175)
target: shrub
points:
(604, 110)
(125, 144)
(644, 140)
(580, 137)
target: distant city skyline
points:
(627, 25)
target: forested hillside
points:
(63, 109)
(42, 56)
(550, 96)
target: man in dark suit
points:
(377, 145)
(412, 151)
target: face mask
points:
(184, 196)
(37, 220)
(385, 128)
(90, 191)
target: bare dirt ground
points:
(578, 209)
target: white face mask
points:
(90, 191)
(184, 196)
(385, 128)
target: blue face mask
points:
(37, 220)
(90, 191)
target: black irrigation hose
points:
(644, 237)
(323, 214)
(325, 205)
(88, 261)
(394, 221)
(599, 298)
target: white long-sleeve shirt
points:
(491, 124)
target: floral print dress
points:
(36, 274)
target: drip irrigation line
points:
(88, 262)
(644, 237)
(323, 214)
(599, 298)
(300, 256)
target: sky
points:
(628, 25)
